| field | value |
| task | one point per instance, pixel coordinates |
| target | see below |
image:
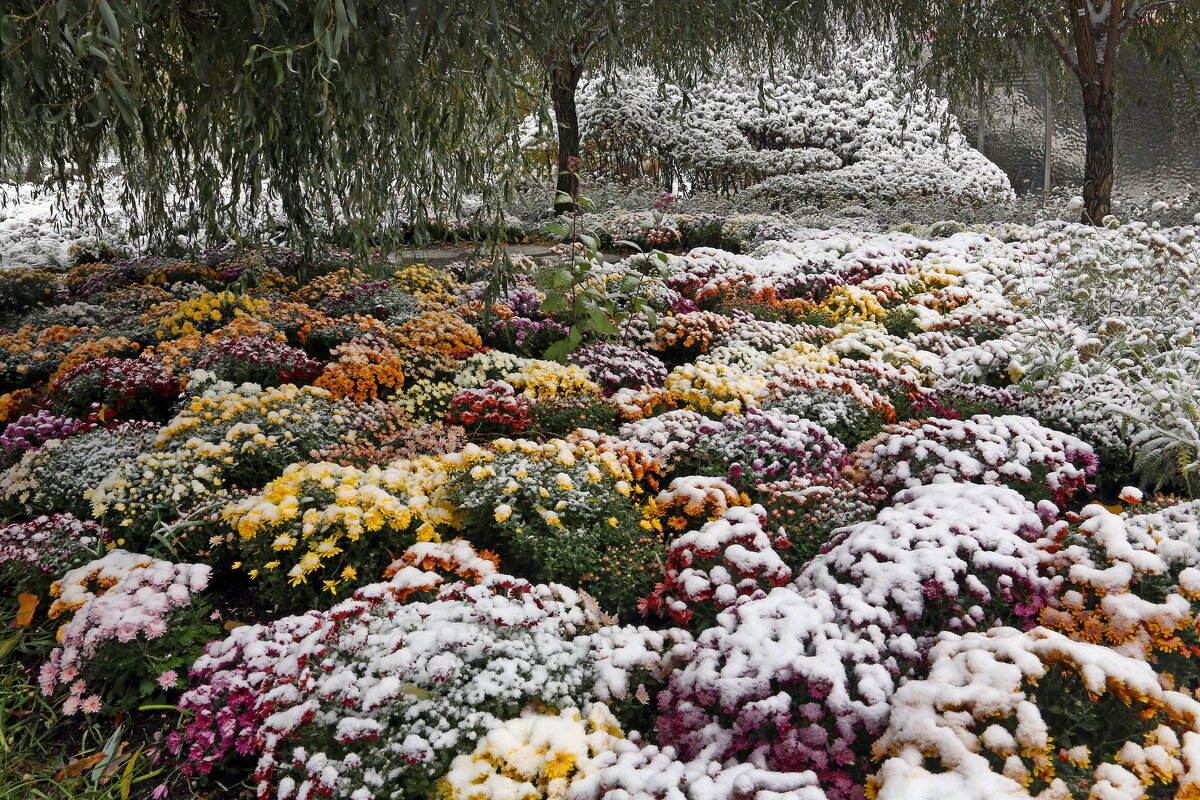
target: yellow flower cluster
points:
(709, 386)
(278, 405)
(155, 485)
(207, 313)
(982, 705)
(424, 281)
(538, 379)
(852, 303)
(425, 399)
(536, 755)
(328, 521)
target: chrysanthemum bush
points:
(1007, 714)
(560, 512)
(320, 530)
(536, 755)
(258, 359)
(495, 408)
(30, 431)
(59, 474)
(139, 388)
(1013, 451)
(376, 695)
(801, 677)
(615, 366)
(223, 435)
(35, 553)
(763, 446)
(1131, 582)
(707, 570)
(135, 623)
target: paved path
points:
(448, 253)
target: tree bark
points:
(564, 81)
(1100, 155)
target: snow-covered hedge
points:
(795, 137)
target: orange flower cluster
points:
(320, 288)
(693, 333)
(426, 565)
(118, 346)
(361, 372)
(442, 331)
(1122, 589)
(646, 470)
(16, 404)
(33, 350)
(691, 501)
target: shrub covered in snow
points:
(1013, 715)
(132, 618)
(708, 569)
(802, 677)
(847, 133)
(1008, 451)
(762, 446)
(375, 693)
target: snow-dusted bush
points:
(1008, 450)
(1131, 582)
(1006, 715)
(802, 677)
(762, 446)
(376, 693)
(708, 569)
(132, 619)
(846, 133)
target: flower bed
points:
(849, 513)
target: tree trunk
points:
(1098, 162)
(564, 80)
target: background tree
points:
(342, 111)
(957, 43)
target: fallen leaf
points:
(76, 768)
(26, 605)
(230, 625)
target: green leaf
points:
(555, 301)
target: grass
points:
(47, 756)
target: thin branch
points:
(1137, 14)
(1057, 41)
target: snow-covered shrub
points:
(376, 693)
(534, 756)
(761, 446)
(665, 436)
(844, 417)
(646, 772)
(615, 366)
(803, 512)
(1011, 715)
(802, 677)
(57, 476)
(132, 619)
(34, 553)
(1009, 450)
(708, 569)
(1131, 582)
(843, 134)
(493, 408)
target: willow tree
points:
(340, 110)
(957, 43)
